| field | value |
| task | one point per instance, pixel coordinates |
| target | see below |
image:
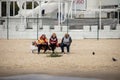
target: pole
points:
(37, 26)
(118, 17)
(0, 9)
(59, 18)
(71, 9)
(67, 23)
(7, 28)
(98, 26)
(100, 15)
(33, 8)
(75, 7)
(13, 8)
(8, 14)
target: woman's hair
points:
(41, 37)
(54, 34)
(66, 35)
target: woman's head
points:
(66, 35)
(53, 35)
(43, 36)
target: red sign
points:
(79, 1)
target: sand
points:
(16, 59)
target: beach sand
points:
(16, 59)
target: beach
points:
(16, 59)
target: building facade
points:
(27, 19)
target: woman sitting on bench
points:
(53, 42)
(66, 42)
(42, 43)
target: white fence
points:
(87, 32)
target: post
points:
(8, 14)
(100, 15)
(40, 16)
(7, 28)
(61, 9)
(13, 8)
(25, 22)
(32, 8)
(75, 7)
(67, 23)
(59, 18)
(40, 9)
(66, 10)
(0, 9)
(37, 25)
(71, 9)
(118, 17)
(98, 26)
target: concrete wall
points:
(92, 4)
(110, 2)
(75, 34)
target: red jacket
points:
(53, 40)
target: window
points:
(78, 27)
(112, 27)
(4, 10)
(16, 9)
(29, 5)
(51, 27)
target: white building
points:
(28, 19)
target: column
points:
(59, 12)
(75, 8)
(33, 25)
(25, 15)
(13, 8)
(118, 17)
(8, 8)
(40, 16)
(0, 9)
(61, 9)
(100, 15)
(32, 8)
(8, 15)
(40, 9)
(66, 9)
(72, 9)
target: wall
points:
(75, 34)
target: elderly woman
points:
(53, 42)
(42, 43)
(66, 42)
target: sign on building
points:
(80, 4)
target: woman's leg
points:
(39, 47)
(53, 46)
(68, 48)
(46, 47)
(62, 47)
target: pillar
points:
(59, 12)
(8, 8)
(66, 9)
(71, 14)
(13, 8)
(0, 9)
(40, 9)
(32, 8)
(25, 25)
(118, 17)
